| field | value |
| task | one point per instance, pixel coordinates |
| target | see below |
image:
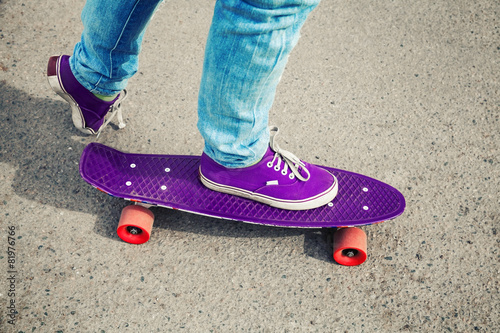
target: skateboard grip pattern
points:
(172, 181)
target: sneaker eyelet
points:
(276, 168)
(269, 164)
(291, 176)
(283, 172)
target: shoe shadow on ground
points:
(40, 142)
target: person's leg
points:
(107, 55)
(102, 62)
(246, 53)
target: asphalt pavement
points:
(403, 91)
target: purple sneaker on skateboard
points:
(88, 111)
(280, 180)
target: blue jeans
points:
(246, 52)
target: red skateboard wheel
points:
(136, 223)
(349, 246)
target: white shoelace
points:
(289, 160)
(115, 110)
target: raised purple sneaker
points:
(280, 180)
(87, 111)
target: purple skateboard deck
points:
(172, 181)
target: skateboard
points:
(172, 181)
